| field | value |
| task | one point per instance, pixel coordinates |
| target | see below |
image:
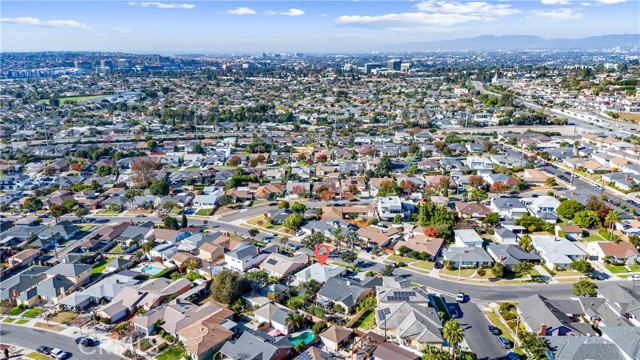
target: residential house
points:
(471, 210)
(335, 337)
(279, 265)
(556, 251)
(23, 258)
(580, 347)
(571, 232)
(505, 236)
(412, 324)
(508, 207)
(467, 238)
(622, 252)
(622, 301)
(379, 236)
(247, 257)
(345, 292)
(257, 345)
(467, 257)
(320, 273)
(204, 338)
(390, 351)
(547, 317)
(274, 315)
(510, 255)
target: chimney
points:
(15, 293)
(501, 258)
(257, 250)
(62, 292)
(543, 330)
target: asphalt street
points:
(31, 338)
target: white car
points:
(59, 354)
(634, 277)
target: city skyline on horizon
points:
(303, 26)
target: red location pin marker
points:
(322, 253)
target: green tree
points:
(498, 270)
(477, 195)
(296, 321)
(283, 205)
(299, 208)
(229, 286)
(348, 256)
(522, 269)
(453, 333)
(568, 208)
(587, 219)
(152, 145)
(104, 170)
(387, 188)
(159, 187)
(387, 271)
(68, 205)
(398, 219)
(525, 242)
(170, 223)
(551, 181)
(492, 219)
(293, 221)
(183, 221)
(313, 240)
(225, 200)
(253, 232)
(612, 219)
(433, 353)
(56, 211)
(319, 327)
(197, 149)
(32, 203)
(582, 267)
(585, 287)
(81, 212)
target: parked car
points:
(85, 341)
(634, 277)
(59, 354)
(438, 265)
(454, 313)
(504, 343)
(141, 215)
(460, 297)
(291, 247)
(44, 350)
(495, 330)
(513, 356)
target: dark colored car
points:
(504, 343)
(494, 330)
(85, 341)
(454, 313)
(438, 265)
(513, 356)
(43, 349)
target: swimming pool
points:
(150, 270)
(302, 338)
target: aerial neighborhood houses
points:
(184, 211)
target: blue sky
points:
(309, 26)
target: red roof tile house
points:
(619, 252)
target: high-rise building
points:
(394, 64)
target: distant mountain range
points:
(526, 42)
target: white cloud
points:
(585, 4)
(122, 30)
(557, 15)
(479, 8)
(432, 15)
(610, 2)
(290, 12)
(241, 10)
(161, 5)
(555, 2)
(406, 21)
(31, 21)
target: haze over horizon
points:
(306, 26)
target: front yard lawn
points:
(32, 313)
(634, 268)
(495, 320)
(617, 269)
(64, 317)
(37, 356)
(265, 225)
(404, 259)
(204, 212)
(423, 264)
(175, 211)
(15, 311)
(86, 228)
(116, 250)
(366, 321)
(9, 320)
(172, 353)
(464, 273)
(22, 321)
(98, 268)
(109, 213)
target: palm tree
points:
(453, 333)
(147, 246)
(337, 234)
(612, 218)
(295, 320)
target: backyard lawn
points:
(593, 237)
(116, 250)
(204, 212)
(98, 268)
(172, 353)
(366, 321)
(32, 313)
